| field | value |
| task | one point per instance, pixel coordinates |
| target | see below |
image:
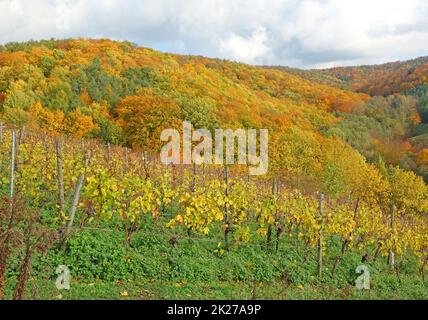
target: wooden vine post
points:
(18, 140)
(5, 245)
(12, 172)
(280, 227)
(391, 256)
(108, 147)
(76, 197)
(320, 237)
(227, 228)
(195, 174)
(60, 176)
(270, 228)
(146, 164)
(1, 145)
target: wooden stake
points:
(226, 179)
(320, 239)
(270, 228)
(21, 135)
(391, 257)
(195, 173)
(76, 197)
(60, 176)
(226, 209)
(1, 145)
(108, 151)
(1, 132)
(146, 163)
(12, 165)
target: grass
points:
(102, 267)
(44, 289)
(150, 268)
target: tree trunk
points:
(377, 251)
(278, 236)
(4, 257)
(345, 245)
(306, 252)
(269, 236)
(226, 238)
(25, 268)
(4, 246)
(270, 228)
(422, 270)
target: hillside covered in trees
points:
(90, 87)
(394, 123)
(81, 123)
(123, 94)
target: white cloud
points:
(245, 49)
(302, 33)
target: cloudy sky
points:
(298, 33)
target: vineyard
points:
(116, 215)
(82, 184)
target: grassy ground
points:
(100, 290)
(150, 268)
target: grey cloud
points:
(303, 33)
(304, 57)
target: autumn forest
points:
(348, 167)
